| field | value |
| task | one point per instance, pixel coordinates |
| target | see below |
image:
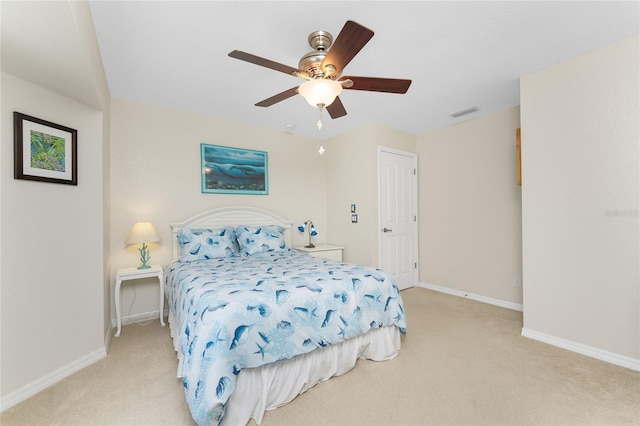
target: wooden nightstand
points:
(326, 251)
(135, 274)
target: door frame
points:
(414, 156)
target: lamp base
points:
(144, 256)
(309, 246)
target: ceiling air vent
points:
(464, 112)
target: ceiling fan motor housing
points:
(320, 41)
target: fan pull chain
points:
(320, 106)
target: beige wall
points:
(84, 25)
(53, 278)
(155, 176)
(52, 252)
(470, 207)
(352, 178)
(580, 203)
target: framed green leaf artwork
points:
(44, 151)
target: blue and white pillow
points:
(199, 244)
(260, 239)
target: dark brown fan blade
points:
(376, 84)
(279, 97)
(244, 56)
(336, 109)
(349, 42)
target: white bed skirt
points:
(274, 385)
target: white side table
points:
(325, 251)
(135, 274)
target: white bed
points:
(273, 385)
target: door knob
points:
(386, 230)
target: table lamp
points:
(143, 233)
(308, 225)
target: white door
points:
(398, 195)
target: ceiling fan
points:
(322, 69)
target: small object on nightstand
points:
(325, 251)
(308, 225)
(143, 233)
(135, 274)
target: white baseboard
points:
(476, 297)
(590, 351)
(50, 379)
(41, 384)
(602, 355)
(136, 318)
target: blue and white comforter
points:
(241, 312)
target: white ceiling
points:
(458, 54)
(41, 44)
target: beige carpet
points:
(462, 363)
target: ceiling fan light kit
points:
(320, 91)
(323, 68)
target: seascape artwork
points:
(233, 170)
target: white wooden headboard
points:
(230, 216)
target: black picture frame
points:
(44, 151)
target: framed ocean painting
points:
(44, 151)
(227, 170)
